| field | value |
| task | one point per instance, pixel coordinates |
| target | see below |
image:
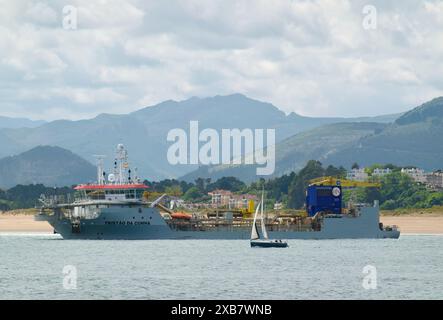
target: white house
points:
(357, 175)
(381, 172)
(418, 175)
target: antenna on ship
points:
(121, 164)
(100, 172)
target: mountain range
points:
(7, 122)
(144, 131)
(292, 153)
(413, 139)
(49, 165)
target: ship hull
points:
(130, 224)
(158, 233)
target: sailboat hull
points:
(268, 244)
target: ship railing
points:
(55, 200)
(208, 224)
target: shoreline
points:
(23, 223)
(408, 224)
(415, 224)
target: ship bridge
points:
(111, 191)
(119, 185)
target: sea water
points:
(47, 267)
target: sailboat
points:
(265, 242)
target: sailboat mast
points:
(263, 227)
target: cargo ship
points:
(116, 207)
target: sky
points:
(315, 58)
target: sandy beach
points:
(415, 225)
(23, 223)
(408, 224)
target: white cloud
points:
(89, 96)
(311, 57)
(41, 13)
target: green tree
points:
(174, 190)
(227, 183)
(192, 194)
(389, 205)
(200, 184)
(335, 172)
(400, 191)
(297, 188)
(26, 196)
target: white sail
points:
(263, 227)
(254, 232)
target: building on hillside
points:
(434, 180)
(220, 198)
(381, 172)
(357, 175)
(225, 198)
(418, 175)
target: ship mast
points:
(122, 165)
(100, 172)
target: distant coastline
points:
(435, 211)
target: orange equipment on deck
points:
(181, 215)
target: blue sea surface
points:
(31, 267)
